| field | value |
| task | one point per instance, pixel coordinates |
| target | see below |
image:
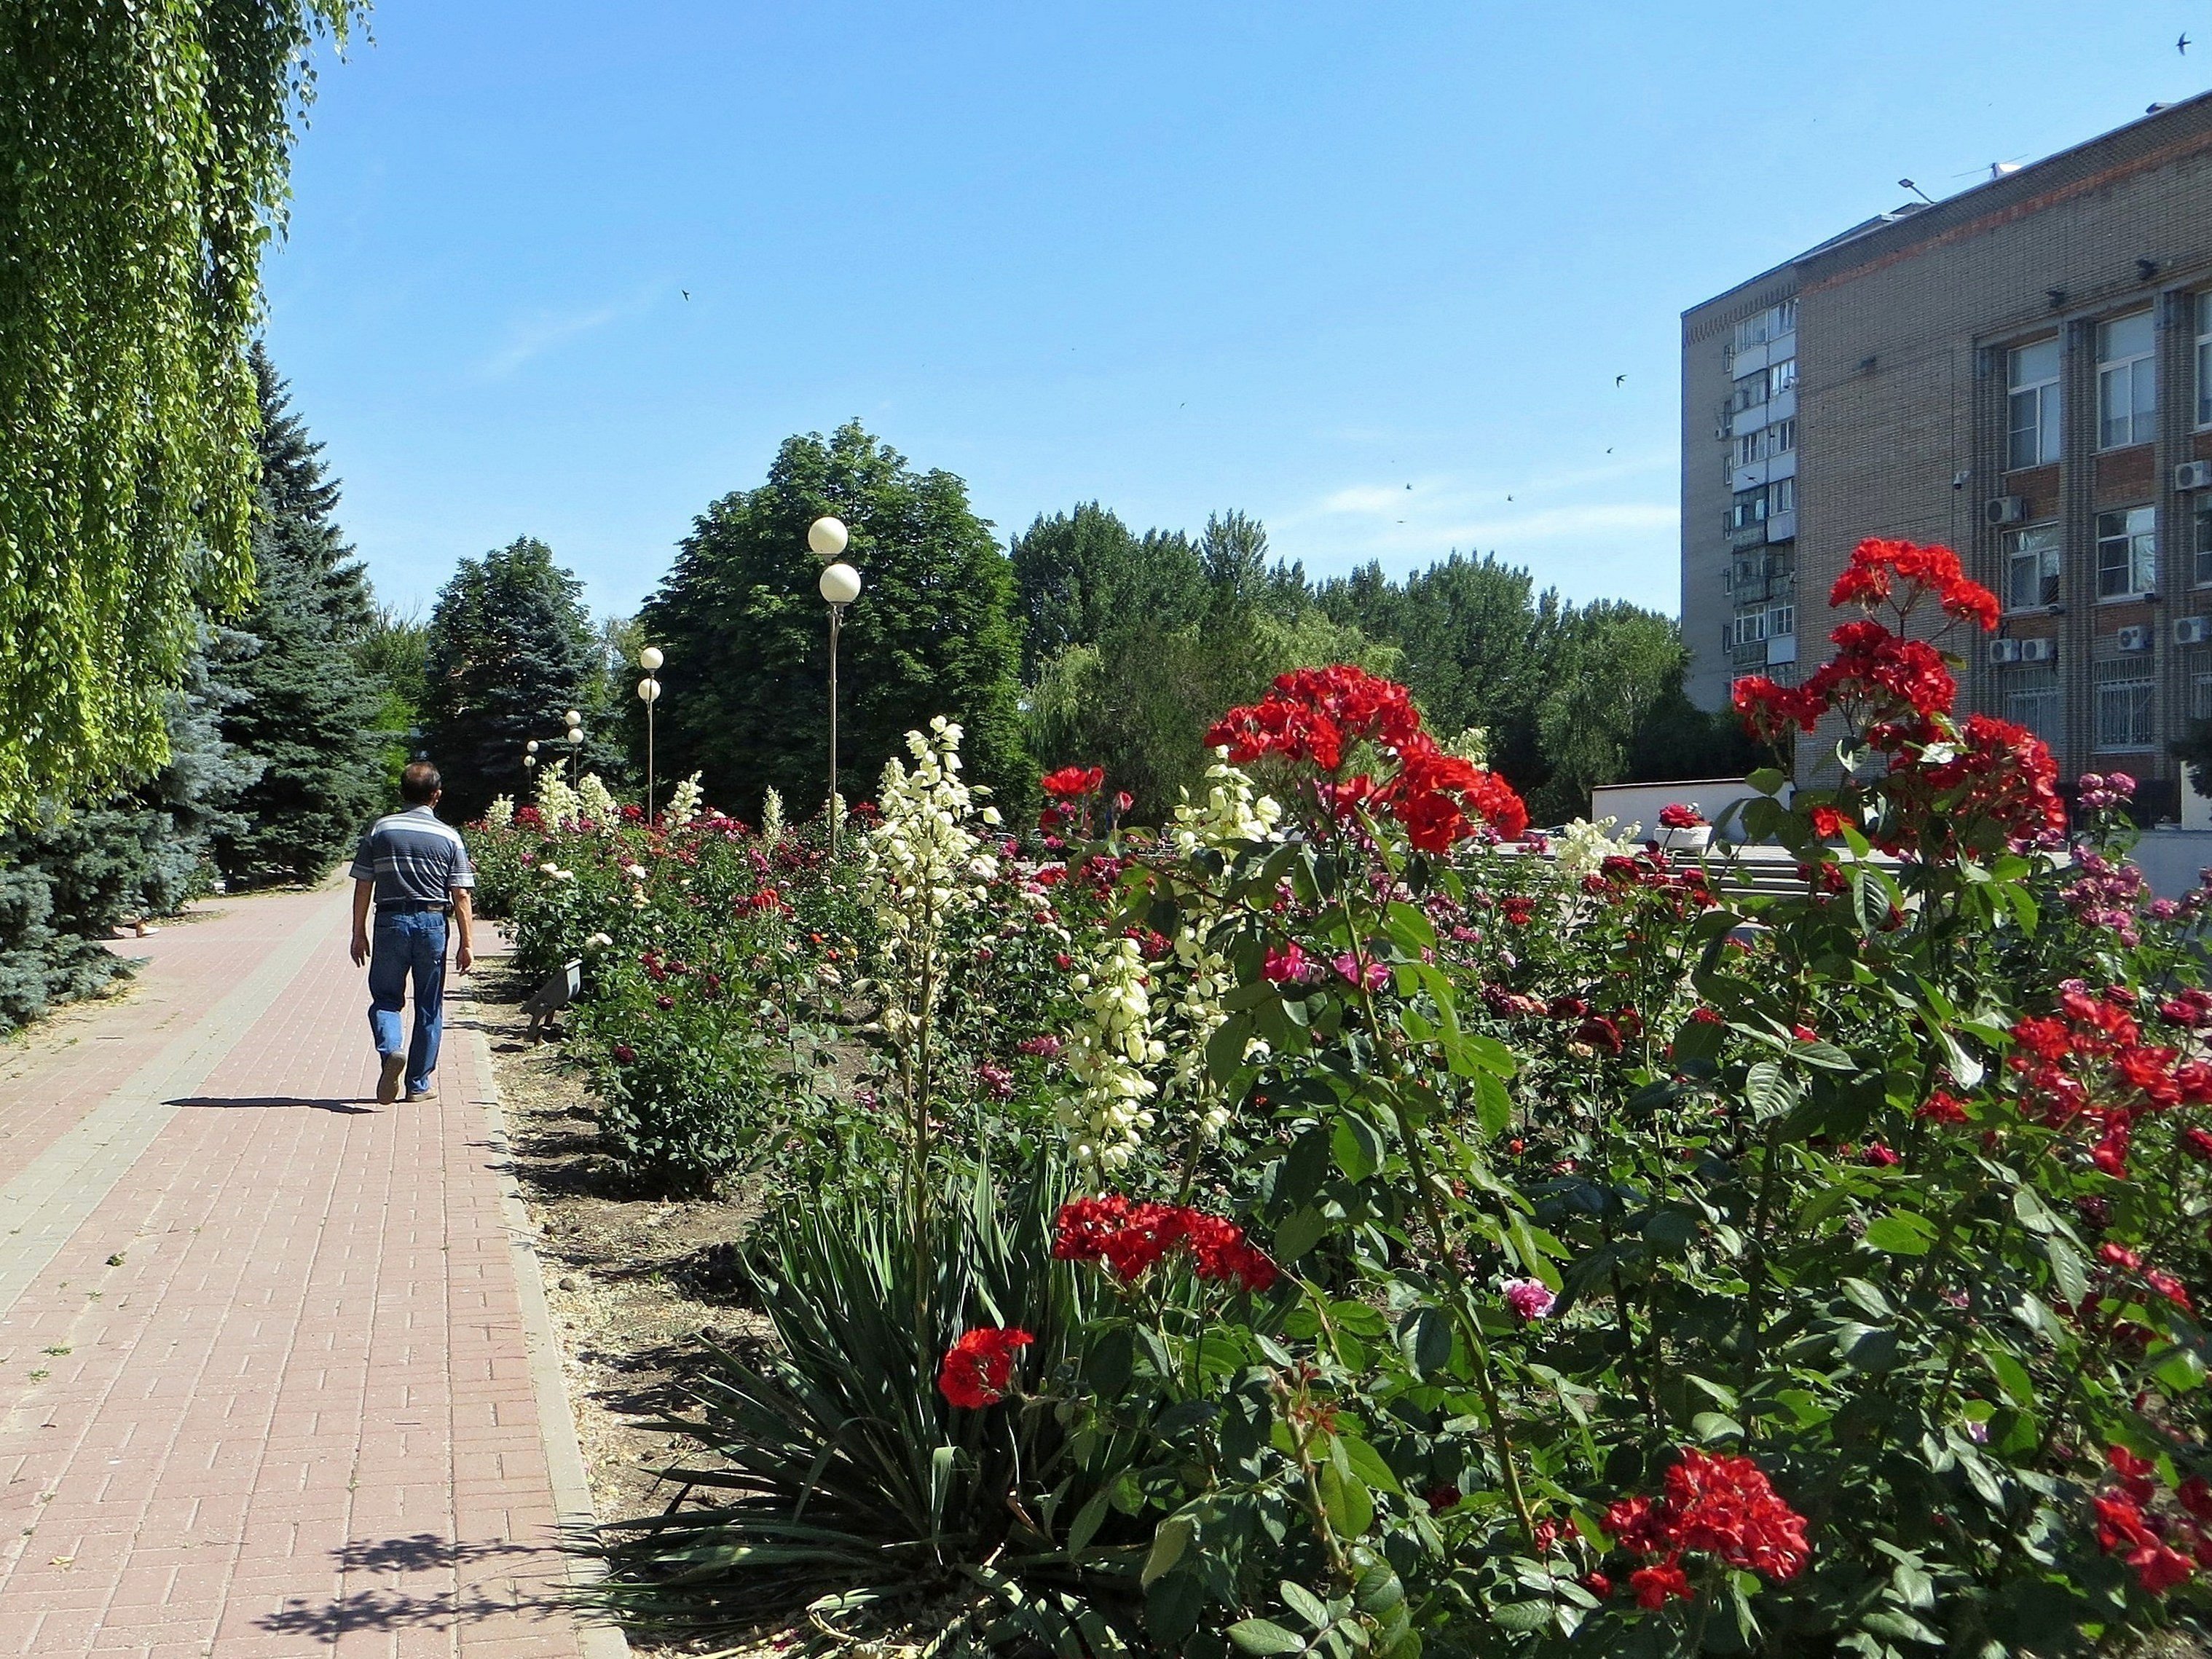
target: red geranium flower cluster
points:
(1132, 1239)
(2088, 1065)
(1724, 1507)
(2127, 1527)
(1876, 567)
(1315, 716)
(1898, 694)
(979, 1366)
(1071, 782)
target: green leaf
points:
(1168, 1543)
(1300, 1231)
(1900, 1233)
(1425, 1337)
(1350, 1508)
(1367, 1463)
(1767, 781)
(1358, 1150)
(2011, 1375)
(2068, 1268)
(1304, 1603)
(1767, 1090)
(1263, 1638)
(1521, 1617)
(1710, 1426)
(1089, 1519)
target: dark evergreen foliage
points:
(510, 649)
(305, 710)
(747, 633)
(66, 882)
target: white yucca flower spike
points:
(1105, 1115)
(557, 801)
(1583, 846)
(683, 803)
(597, 801)
(499, 817)
(771, 826)
(1232, 811)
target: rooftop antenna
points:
(1907, 184)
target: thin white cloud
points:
(1557, 523)
(533, 335)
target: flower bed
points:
(1322, 1225)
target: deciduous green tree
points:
(143, 151)
(510, 648)
(747, 633)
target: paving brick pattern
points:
(272, 1395)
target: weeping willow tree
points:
(144, 150)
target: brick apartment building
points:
(2023, 371)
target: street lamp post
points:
(530, 757)
(840, 584)
(648, 691)
(576, 748)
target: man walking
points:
(415, 869)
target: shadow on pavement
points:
(348, 1108)
(383, 1608)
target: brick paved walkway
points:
(273, 1362)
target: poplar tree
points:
(144, 158)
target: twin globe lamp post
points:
(840, 586)
(648, 691)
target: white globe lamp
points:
(650, 660)
(827, 537)
(839, 584)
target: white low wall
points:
(2170, 858)
(1640, 803)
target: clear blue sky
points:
(1289, 258)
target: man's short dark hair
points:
(419, 783)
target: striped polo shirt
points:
(413, 857)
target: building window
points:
(1782, 436)
(2200, 696)
(1781, 377)
(1750, 393)
(2124, 704)
(2033, 699)
(1748, 509)
(1781, 496)
(2204, 548)
(2127, 380)
(2127, 552)
(2032, 567)
(2032, 377)
(1785, 317)
(2205, 359)
(1781, 619)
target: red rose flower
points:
(978, 1368)
(1072, 782)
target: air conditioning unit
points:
(2004, 650)
(2137, 638)
(2004, 509)
(2038, 650)
(2193, 475)
(2193, 631)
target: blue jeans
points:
(411, 942)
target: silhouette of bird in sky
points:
(685, 292)
(1620, 380)
(2181, 46)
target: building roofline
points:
(1928, 218)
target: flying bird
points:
(1620, 380)
(2181, 46)
(685, 292)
